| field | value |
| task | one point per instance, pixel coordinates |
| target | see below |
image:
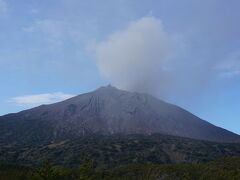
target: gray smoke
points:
(138, 57)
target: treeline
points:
(117, 150)
(222, 169)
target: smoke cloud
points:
(138, 57)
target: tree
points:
(47, 172)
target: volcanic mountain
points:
(107, 111)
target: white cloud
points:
(3, 6)
(28, 29)
(52, 30)
(230, 74)
(34, 11)
(38, 99)
(231, 67)
(56, 32)
(138, 57)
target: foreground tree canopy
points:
(221, 169)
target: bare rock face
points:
(107, 110)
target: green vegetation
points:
(222, 169)
(117, 157)
(113, 151)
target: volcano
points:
(107, 111)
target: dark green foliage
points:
(222, 169)
(46, 172)
(116, 150)
(13, 172)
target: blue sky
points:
(186, 52)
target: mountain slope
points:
(107, 111)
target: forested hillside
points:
(222, 169)
(116, 150)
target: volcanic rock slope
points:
(107, 111)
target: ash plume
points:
(138, 57)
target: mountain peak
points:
(109, 110)
(107, 88)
